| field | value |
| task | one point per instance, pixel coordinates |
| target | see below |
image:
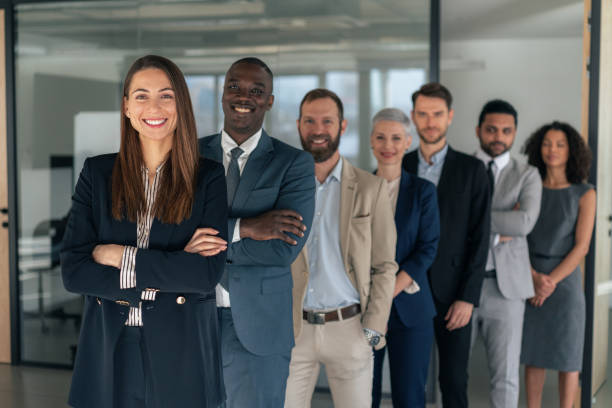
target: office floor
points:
(32, 387)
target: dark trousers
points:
(131, 370)
(409, 354)
(454, 353)
(251, 381)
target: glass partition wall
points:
(71, 57)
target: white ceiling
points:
(480, 19)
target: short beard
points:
(437, 140)
(322, 155)
(486, 148)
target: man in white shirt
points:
(270, 188)
(517, 190)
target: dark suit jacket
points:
(181, 339)
(276, 176)
(464, 200)
(418, 230)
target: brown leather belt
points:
(334, 315)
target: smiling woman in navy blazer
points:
(410, 327)
(149, 336)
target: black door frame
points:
(589, 275)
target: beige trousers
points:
(342, 347)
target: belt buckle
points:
(315, 317)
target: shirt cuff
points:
(148, 294)
(127, 273)
(496, 238)
(236, 235)
(413, 288)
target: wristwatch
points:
(372, 337)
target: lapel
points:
(403, 199)
(411, 162)
(125, 229)
(448, 168)
(254, 168)
(347, 201)
(214, 148)
(505, 176)
(120, 228)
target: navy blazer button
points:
(181, 300)
(229, 261)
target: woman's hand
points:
(206, 242)
(402, 281)
(544, 286)
(537, 301)
(108, 254)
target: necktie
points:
(232, 178)
(491, 175)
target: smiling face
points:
(431, 118)
(496, 133)
(247, 96)
(389, 141)
(151, 105)
(555, 149)
(320, 128)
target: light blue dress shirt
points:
(432, 172)
(328, 284)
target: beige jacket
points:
(367, 240)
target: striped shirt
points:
(127, 274)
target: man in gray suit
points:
(517, 190)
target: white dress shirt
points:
(228, 144)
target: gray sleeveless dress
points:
(553, 334)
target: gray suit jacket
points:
(517, 183)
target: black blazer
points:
(181, 339)
(464, 200)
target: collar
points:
(437, 158)
(336, 173)
(227, 143)
(500, 161)
(157, 170)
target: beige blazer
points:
(367, 240)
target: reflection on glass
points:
(205, 100)
(289, 91)
(346, 86)
(71, 56)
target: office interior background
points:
(63, 63)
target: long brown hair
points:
(175, 194)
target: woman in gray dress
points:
(553, 333)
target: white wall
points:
(540, 77)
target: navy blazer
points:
(181, 339)
(276, 176)
(418, 231)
